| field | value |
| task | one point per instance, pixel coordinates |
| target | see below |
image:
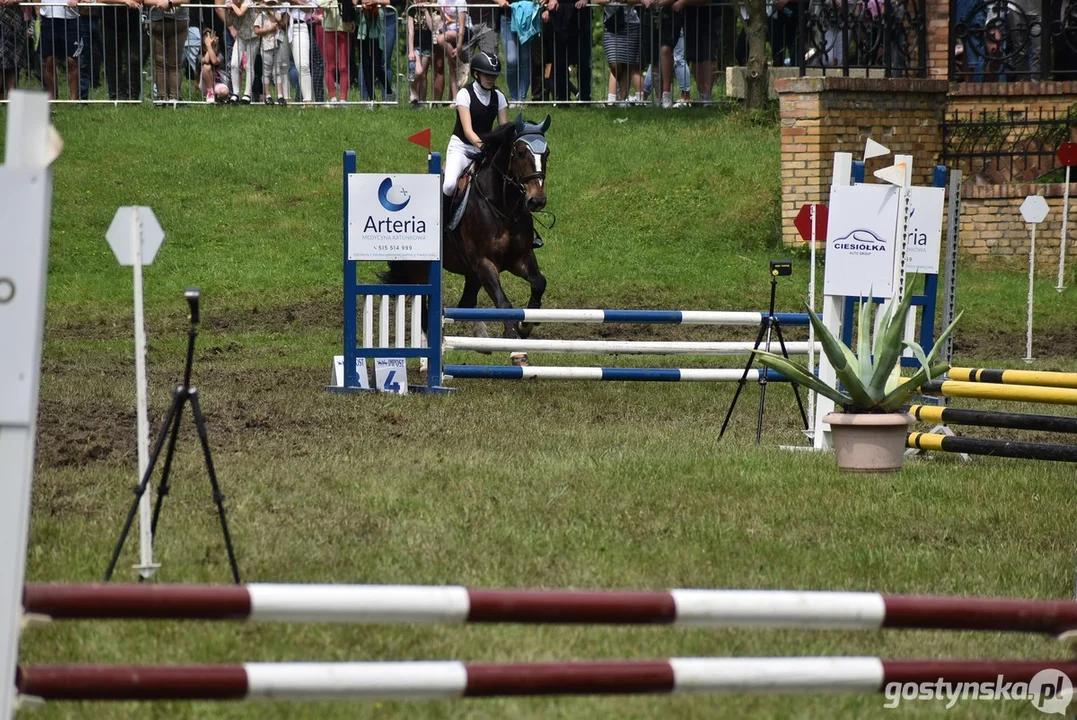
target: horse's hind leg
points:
(528, 269)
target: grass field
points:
(604, 485)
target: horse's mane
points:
(496, 138)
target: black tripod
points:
(766, 326)
(181, 395)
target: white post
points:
(368, 321)
(383, 321)
(833, 308)
(1033, 210)
(25, 205)
(1031, 278)
(401, 305)
(1062, 242)
(417, 321)
(811, 304)
(146, 565)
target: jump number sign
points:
(391, 375)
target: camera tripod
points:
(181, 395)
(767, 326)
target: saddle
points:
(456, 204)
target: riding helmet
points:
(485, 62)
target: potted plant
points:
(869, 436)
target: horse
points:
(495, 229)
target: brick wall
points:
(821, 116)
(992, 228)
(1048, 96)
(938, 39)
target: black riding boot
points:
(537, 242)
(446, 210)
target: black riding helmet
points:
(487, 63)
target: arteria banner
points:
(394, 217)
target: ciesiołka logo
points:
(860, 239)
(399, 199)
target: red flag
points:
(421, 138)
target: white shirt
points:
(59, 12)
(463, 98)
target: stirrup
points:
(537, 242)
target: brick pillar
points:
(938, 39)
(802, 151)
(824, 115)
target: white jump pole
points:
(833, 309)
(26, 206)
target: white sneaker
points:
(611, 99)
(667, 99)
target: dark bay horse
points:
(496, 230)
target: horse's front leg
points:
(527, 268)
(490, 276)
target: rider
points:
(479, 105)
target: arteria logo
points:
(392, 199)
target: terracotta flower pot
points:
(869, 442)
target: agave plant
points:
(872, 383)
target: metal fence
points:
(336, 51)
(1012, 40)
(1005, 145)
(886, 35)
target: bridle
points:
(536, 143)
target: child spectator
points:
(455, 23)
(271, 26)
(241, 19)
(212, 81)
(420, 47)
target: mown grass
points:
(501, 484)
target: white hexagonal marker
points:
(128, 223)
(1034, 209)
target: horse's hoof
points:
(520, 359)
(524, 329)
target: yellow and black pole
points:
(1015, 377)
(997, 448)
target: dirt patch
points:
(1009, 344)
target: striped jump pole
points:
(495, 372)
(991, 418)
(614, 347)
(1015, 377)
(446, 680)
(1016, 393)
(988, 446)
(646, 317)
(458, 604)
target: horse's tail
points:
(396, 274)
